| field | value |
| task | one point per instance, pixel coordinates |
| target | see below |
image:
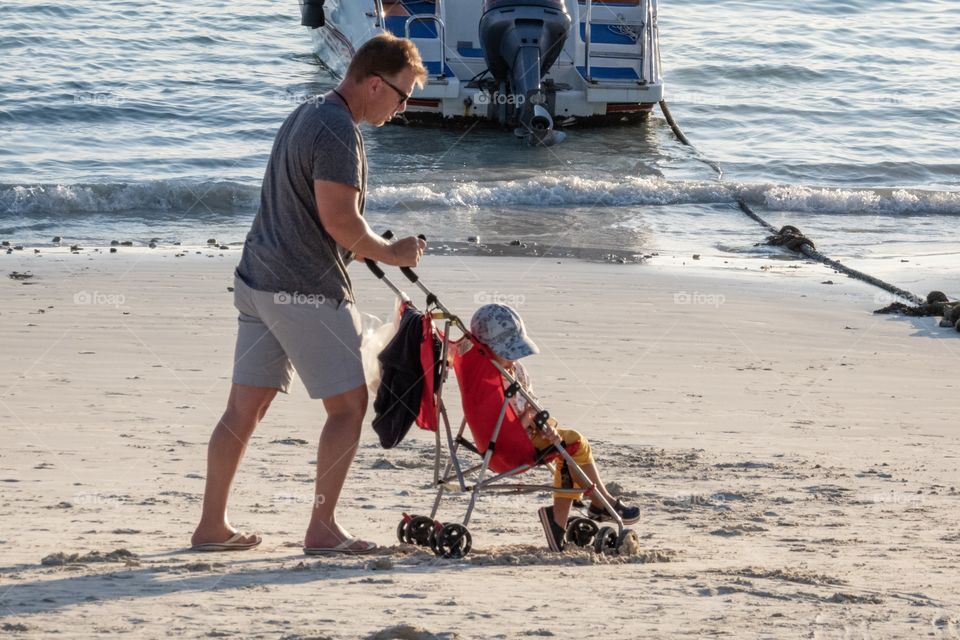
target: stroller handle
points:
(413, 277)
(410, 274)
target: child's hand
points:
(550, 433)
(526, 418)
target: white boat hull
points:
(613, 79)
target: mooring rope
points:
(788, 236)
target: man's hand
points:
(406, 252)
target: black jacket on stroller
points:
(408, 377)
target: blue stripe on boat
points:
(418, 29)
(469, 53)
(604, 34)
(610, 73)
(433, 68)
(419, 6)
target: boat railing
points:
(658, 70)
(646, 70)
(647, 39)
(441, 32)
(651, 45)
(586, 40)
(378, 8)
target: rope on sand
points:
(793, 239)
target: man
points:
(294, 295)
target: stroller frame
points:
(455, 540)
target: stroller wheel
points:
(606, 540)
(628, 543)
(581, 531)
(451, 541)
(419, 530)
(402, 529)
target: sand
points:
(795, 458)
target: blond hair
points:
(387, 55)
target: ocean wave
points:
(653, 190)
(870, 201)
(179, 196)
(225, 197)
(553, 192)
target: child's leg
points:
(563, 500)
(584, 459)
(591, 471)
(561, 509)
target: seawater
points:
(135, 121)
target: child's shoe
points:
(629, 515)
(554, 532)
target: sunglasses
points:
(403, 96)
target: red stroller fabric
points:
(427, 417)
(482, 395)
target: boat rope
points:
(789, 236)
(627, 30)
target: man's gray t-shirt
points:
(287, 248)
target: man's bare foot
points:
(218, 534)
(333, 537)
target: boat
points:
(533, 66)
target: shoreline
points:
(919, 273)
(513, 249)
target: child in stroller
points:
(501, 329)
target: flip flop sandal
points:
(344, 547)
(230, 544)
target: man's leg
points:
(246, 406)
(338, 444)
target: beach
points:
(794, 457)
(793, 454)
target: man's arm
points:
(338, 206)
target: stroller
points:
(498, 438)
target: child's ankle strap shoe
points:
(629, 515)
(554, 532)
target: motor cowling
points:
(501, 4)
(311, 14)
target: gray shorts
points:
(282, 331)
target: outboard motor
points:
(311, 13)
(521, 40)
